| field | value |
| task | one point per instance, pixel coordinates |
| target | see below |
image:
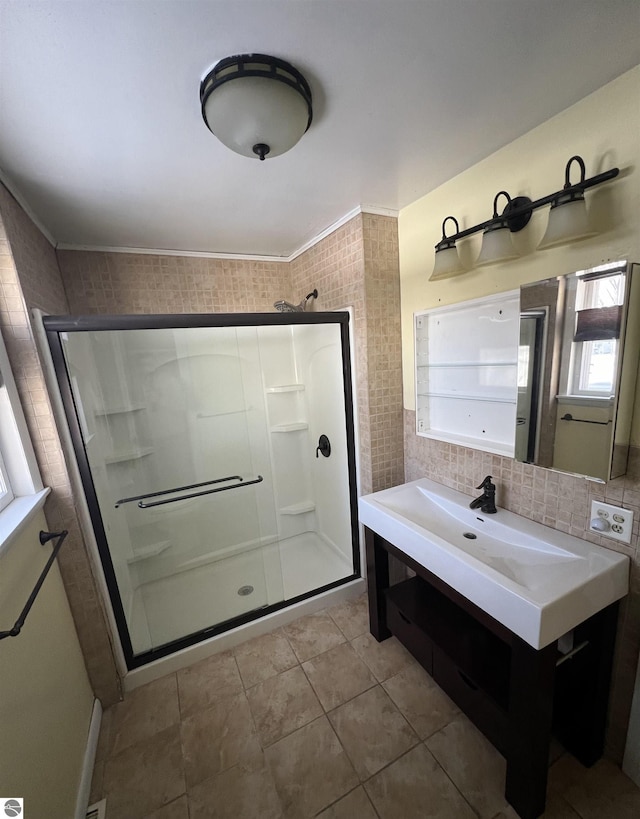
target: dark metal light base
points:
(520, 220)
(261, 150)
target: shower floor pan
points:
(189, 601)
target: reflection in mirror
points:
(532, 324)
(577, 366)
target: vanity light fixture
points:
(256, 105)
(567, 221)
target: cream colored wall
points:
(583, 448)
(45, 697)
(603, 128)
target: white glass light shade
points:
(568, 222)
(496, 247)
(248, 111)
(447, 264)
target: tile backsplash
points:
(562, 502)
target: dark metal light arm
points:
(518, 211)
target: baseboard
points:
(84, 788)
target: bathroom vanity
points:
(514, 620)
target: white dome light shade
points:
(568, 222)
(258, 106)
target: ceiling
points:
(101, 133)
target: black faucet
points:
(486, 501)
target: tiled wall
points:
(29, 278)
(560, 501)
(335, 267)
(357, 266)
(382, 299)
(115, 283)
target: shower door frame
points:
(56, 325)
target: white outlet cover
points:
(620, 520)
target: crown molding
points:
(392, 212)
(153, 251)
(376, 211)
(324, 233)
(149, 251)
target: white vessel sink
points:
(535, 580)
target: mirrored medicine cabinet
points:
(546, 374)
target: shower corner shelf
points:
(290, 427)
(146, 552)
(298, 508)
(284, 388)
(131, 455)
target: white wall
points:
(45, 697)
(318, 348)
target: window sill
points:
(17, 514)
(585, 400)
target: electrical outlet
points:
(617, 523)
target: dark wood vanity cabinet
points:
(515, 694)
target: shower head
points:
(286, 307)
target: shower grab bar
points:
(143, 505)
(176, 489)
(44, 538)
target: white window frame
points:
(21, 488)
(573, 373)
(6, 492)
(580, 365)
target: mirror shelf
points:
(466, 373)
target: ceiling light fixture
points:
(256, 105)
(567, 220)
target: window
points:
(20, 483)
(594, 357)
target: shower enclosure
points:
(217, 458)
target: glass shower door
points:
(198, 444)
(172, 434)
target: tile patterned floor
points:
(317, 719)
